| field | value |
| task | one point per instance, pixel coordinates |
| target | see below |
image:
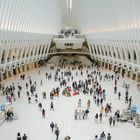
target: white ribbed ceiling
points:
(48, 16)
(35, 16)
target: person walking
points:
(110, 120)
(79, 103)
(43, 113)
(130, 101)
(119, 95)
(57, 131)
(51, 106)
(100, 116)
(18, 94)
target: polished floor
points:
(30, 119)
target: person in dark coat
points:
(29, 100)
(51, 106)
(119, 95)
(43, 113)
(110, 120)
(52, 126)
(40, 106)
(24, 137)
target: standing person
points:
(124, 83)
(101, 101)
(96, 117)
(79, 103)
(119, 95)
(10, 99)
(109, 107)
(51, 106)
(18, 136)
(83, 114)
(98, 100)
(57, 131)
(115, 89)
(43, 113)
(88, 104)
(86, 113)
(36, 98)
(130, 101)
(96, 137)
(67, 138)
(108, 136)
(110, 120)
(40, 106)
(79, 113)
(100, 117)
(102, 109)
(52, 126)
(28, 94)
(91, 91)
(18, 94)
(106, 110)
(44, 95)
(114, 120)
(51, 95)
(75, 114)
(29, 100)
(126, 99)
(27, 85)
(103, 136)
(24, 137)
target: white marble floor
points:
(30, 120)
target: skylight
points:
(69, 5)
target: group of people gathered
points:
(90, 86)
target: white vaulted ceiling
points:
(102, 16)
(48, 16)
(35, 16)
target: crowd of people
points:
(103, 136)
(90, 86)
